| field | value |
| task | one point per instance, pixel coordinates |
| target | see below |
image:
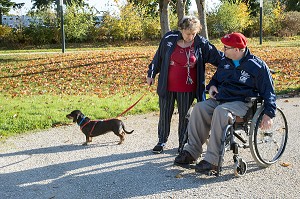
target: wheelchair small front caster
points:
(240, 167)
(213, 173)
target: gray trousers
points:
(211, 116)
(166, 106)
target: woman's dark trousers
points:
(166, 105)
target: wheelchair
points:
(266, 147)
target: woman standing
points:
(180, 61)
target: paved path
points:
(53, 164)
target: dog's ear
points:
(75, 118)
(75, 114)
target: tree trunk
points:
(201, 7)
(180, 7)
(164, 16)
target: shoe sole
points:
(209, 172)
(186, 166)
(157, 152)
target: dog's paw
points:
(85, 144)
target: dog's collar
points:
(81, 121)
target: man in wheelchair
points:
(239, 75)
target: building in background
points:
(24, 21)
(18, 21)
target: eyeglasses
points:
(227, 48)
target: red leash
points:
(133, 105)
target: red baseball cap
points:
(235, 39)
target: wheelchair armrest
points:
(253, 99)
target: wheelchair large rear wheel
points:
(267, 146)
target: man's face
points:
(229, 51)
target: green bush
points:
(39, 34)
(229, 17)
(5, 33)
(8, 35)
(151, 29)
(79, 21)
(127, 26)
(11, 37)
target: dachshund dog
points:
(92, 128)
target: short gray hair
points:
(190, 23)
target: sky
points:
(100, 5)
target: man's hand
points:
(150, 81)
(212, 92)
(266, 122)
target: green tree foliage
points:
(5, 6)
(291, 5)
(79, 22)
(229, 17)
(47, 16)
(273, 13)
(39, 34)
(129, 25)
(44, 28)
(134, 22)
(150, 7)
(272, 16)
(5, 33)
(151, 29)
(187, 4)
(44, 4)
(253, 5)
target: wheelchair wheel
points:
(240, 167)
(267, 146)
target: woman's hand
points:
(150, 81)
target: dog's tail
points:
(123, 127)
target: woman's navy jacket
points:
(205, 52)
(252, 78)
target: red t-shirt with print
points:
(178, 70)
